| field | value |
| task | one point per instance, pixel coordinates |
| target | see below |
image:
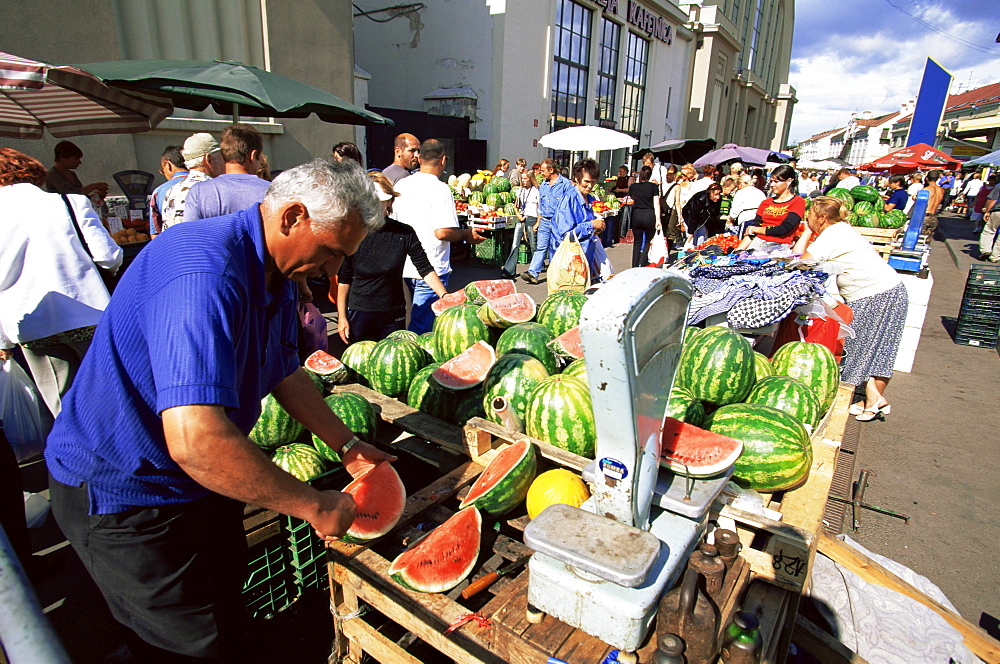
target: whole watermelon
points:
(355, 357)
(777, 453)
(762, 365)
(301, 460)
(787, 395)
(717, 366)
(493, 200)
(470, 404)
(560, 311)
(814, 365)
(577, 368)
(560, 413)
(863, 192)
(456, 329)
(426, 341)
(500, 184)
(513, 376)
(684, 406)
(869, 220)
(863, 207)
(393, 364)
(357, 415)
(274, 427)
(429, 396)
(844, 195)
(893, 219)
(530, 338)
(402, 334)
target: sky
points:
(868, 55)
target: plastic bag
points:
(568, 269)
(313, 336)
(657, 249)
(604, 266)
(20, 412)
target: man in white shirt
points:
(425, 204)
(969, 191)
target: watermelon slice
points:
(448, 301)
(568, 344)
(508, 310)
(328, 368)
(468, 368)
(489, 289)
(505, 481)
(441, 560)
(689, 450)
(380, 498)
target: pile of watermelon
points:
(865, 208)
(767, 407)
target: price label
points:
(790, 561)
(115, 224)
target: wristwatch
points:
(348, 445)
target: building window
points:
(607, 70)
(571, 42)
(636, 56)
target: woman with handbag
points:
(51, 290)
(645, 216)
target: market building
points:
(824, 145)
(970, 124)
(265, 34)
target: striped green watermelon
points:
(501, 184)
(510, 209)
(789, 395)
(717, 366)
(493, 200)
(577, 368)
(863, 207)
(274, 427)
(380, 497)
(684, 406)
(456, 329)
(427, 395)
(690, 331)
(356, 357)
(442, 559)
(864, 192)
(561, 311)
(476, 198)
(512, 377)
(530, 338)
(505, 481)
(393, 364)
(480, 291)
(777, 453)
(893, 219)
(470, 404)
(301, 460)
(844, 195)
(329, 369)
(402, 334)
(814, 365)
(560, 413)
(762, 366)
(357, 415)
(426, 341)
(508, 310)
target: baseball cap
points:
(198, 145)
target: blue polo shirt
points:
(899, 197)
(208, 332)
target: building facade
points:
(970, 124)
(263, 33)
(824, 145)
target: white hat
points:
(197, 146)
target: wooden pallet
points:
(778, 556)
(880, 238)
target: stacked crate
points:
(979, 316)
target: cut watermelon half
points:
(328, 368)
(448, 301)
(568, 344)
(689, 450)
(441, 560)
(380, 498)
(467, 369)
(505, 481)
(508, 310)
(489, 289)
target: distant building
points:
(970, 126)
(867, 138)
(821, 146)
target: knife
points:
(485, 581)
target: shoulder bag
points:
(109, 278)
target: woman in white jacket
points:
(51, 293)
(746, 200)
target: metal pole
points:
(25, 632)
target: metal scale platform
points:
(603, 568)
(912, 254)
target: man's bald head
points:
(406, 148)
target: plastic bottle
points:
(742, 641)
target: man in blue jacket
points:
(551, 194)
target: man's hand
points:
(344, 329)
(334, 514)
(363, 457)
(534, 228)
(598, 225)
(475, 237)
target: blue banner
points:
(930, 104)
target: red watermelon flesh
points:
(468, 368)
(569, 343)
(326, 366)
(448, 301)
(687, 449)
(509, 310)
(441, 560)
(380, 498)
(487, 290)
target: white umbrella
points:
(587, 138)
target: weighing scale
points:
(913, 252)
(603, 568)
(137, 186)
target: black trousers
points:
(375, 325)
(643, 227)
(12, 502)
(173, 575)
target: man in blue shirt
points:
(172, 167)
(150, 462)
(238, 187)
(550, 196)
(897, 197)
(575, 213)
(947, 183)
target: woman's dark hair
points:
(898, 179)
(18, 168)
(347, 150)
(588, 166)
(65, 149)
(783, 172)
(645, 173)
(715, 186)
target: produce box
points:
(977, 331)
(492, 252)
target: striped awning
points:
(68, 101)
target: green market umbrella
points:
(232, 88)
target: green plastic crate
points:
(492, 252)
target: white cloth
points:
(848, 183)
(911, 198)
(807, 186)
(860, 271)
(745, 204)
(659, 177)
(425, 204)
(527, 198)
(701, 184)
(972, 188)
(48, 283)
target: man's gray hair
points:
(329, 191)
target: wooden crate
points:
(880, 238)
(358, 573)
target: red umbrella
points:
(910, 159)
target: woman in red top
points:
(778, 217)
